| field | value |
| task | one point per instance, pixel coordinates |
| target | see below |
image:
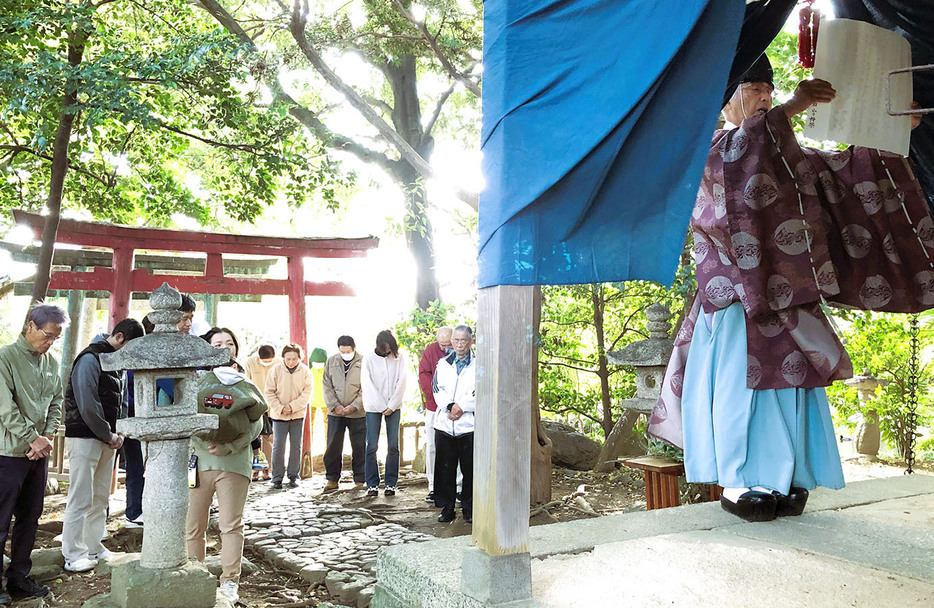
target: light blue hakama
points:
(738, 437)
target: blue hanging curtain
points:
(597, 116)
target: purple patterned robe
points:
(781, 229)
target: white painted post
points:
(498, 569)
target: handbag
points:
(267, 425)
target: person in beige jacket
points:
(343, 395)
(257, 368)
(288, 391)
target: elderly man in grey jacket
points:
(343, 395)
(30, 411)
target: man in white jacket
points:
(454, 389)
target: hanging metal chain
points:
(911, 419)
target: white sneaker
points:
(81, 565)
(133, 523)
(102, 555)
(229, 589)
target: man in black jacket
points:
(94, 400)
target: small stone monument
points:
(868, 433)
(161, 575)
(649, 358)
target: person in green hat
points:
(319, 409)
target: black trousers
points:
(449, 451)
(333, 454)
(135, 480)
(22, 492)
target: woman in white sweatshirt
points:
(383, 380)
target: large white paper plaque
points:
(854, 57)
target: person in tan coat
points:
(288, 391)
(257, 368)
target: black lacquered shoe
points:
(752, 506)
(468, 517)
(791, 504)
(447, 515)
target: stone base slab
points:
(882, 525)
(189, 586)
(496, 579)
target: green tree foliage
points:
(395, 64)
(879, 344)
(580, 325)
(168, 119)
(419, 329)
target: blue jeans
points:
(371, 467)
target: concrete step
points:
(871, 543)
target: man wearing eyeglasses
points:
(454, 388)
(30, 411)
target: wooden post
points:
(298, 334)
(88, 320)
(210, 308)
(498, 569)
(122, 288)
(72, 347)
(298, 331)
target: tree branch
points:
(580, 369)
(434, 115)
(568, 409)
(15, 150)
(296, 110)
(251, 148)
(310, 120)
(379, 103)
(432, 41)
(411, 156)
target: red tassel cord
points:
(808, 25)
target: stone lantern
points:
(868, 433)
(649, 358)
(161, 575)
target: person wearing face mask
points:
(383, 387)
(433, 353)
(779, 230)
(343, 395)
(288, 391)
(256, 368)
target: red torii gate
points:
(121, 280)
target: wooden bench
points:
(661, 481)
(419, 427)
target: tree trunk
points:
(606, 461)
(407, 120)
(603, 370)
(66, 122)
(540, 488)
